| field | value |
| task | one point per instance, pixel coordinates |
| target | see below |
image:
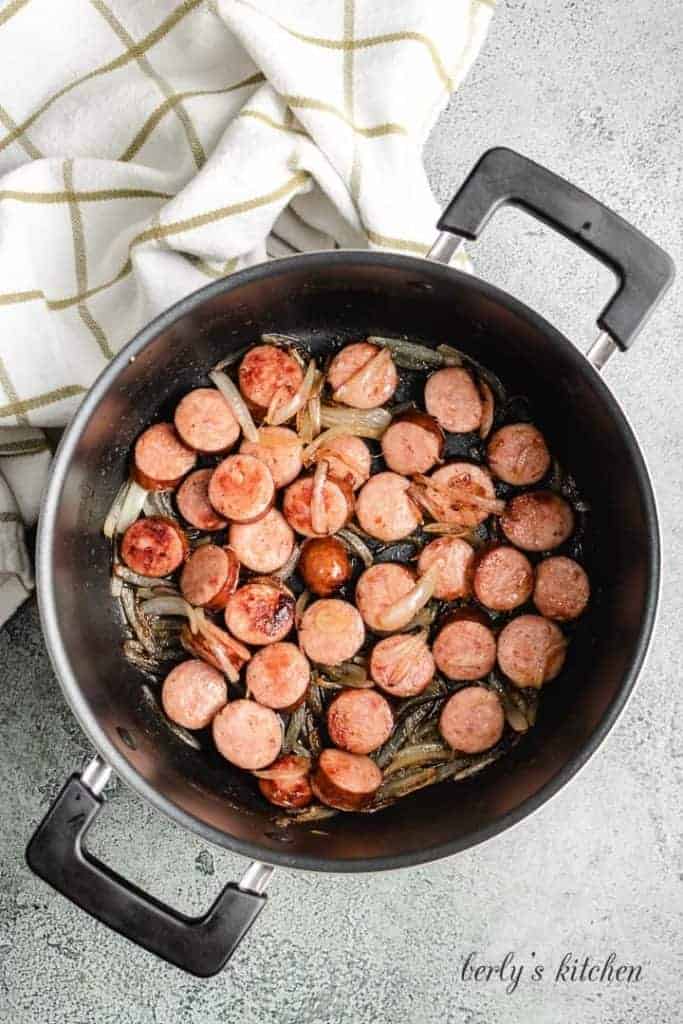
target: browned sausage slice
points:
(472, 720)
(337, 499)
(562, 589)
(503, 578)
(160, 459)
(402, 665)
(205, 422)
(379, 587)
(288, 783)
(349, 459)
(247, 734)
(518, 454)
(154, 546)
(266, 370)
(359, 721)
(465, 649)
(537, 521)
(531, 650)
(452, 397)
(455, 558)
(331, 631)
(363, 376)
(460, 493)
(265, 545)
(384, 508)
(241, 488)
(193, 692)
(324, 565)
(278, 676)
(210, 576)
(412, 443)
(192, 498)
(345, 781)
(260, 612)
(280, 449)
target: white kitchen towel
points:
(148, 147)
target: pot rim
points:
(46, 592)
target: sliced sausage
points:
(562, 588)
(537, 521)
(260, 612)
(278, 676)
(205, 421)
(402, 665)
(363, 376)
(324, 565)
(460, 493)
(531, 650)
(247, 734)
(241, 488)
(412, 443)
(192, 499)
(379, 587)
(266, 370)
(384, 508)
(349, 459)
(193, 692)
(472, 720)
(280, 449)
(337, 499)
(331, 631)
(359, 721)
(160, 459)
(518, 454)
(465, 649)
(154, 546)
(455, 558)
(288, 784)
(265, 545)
(452, 397)
(345, 781)
(503, 578)
(210, 576)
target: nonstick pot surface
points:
(331, 298)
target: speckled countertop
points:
(593, 91)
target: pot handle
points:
(202, 945)
(502, 176)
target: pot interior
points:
(344, 297)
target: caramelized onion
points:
(369, 423)
(364, 375)
(398, 615)
(318, 513)
(238, 406)
(280, 410)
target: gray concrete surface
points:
(594, 91)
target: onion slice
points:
(370, 423)
(238, 406)
(232, 358)
(356, 545)
(399, 614)
(169, 604)
(280, 411)
(319, 520)
(125, 508)
(410, 355)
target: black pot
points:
(352, 294)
